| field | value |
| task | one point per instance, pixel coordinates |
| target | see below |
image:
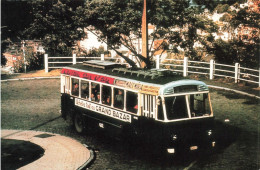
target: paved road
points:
(34, 105)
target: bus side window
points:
(84, 89)
(106, 95)
(75, 87)
(199, 105)
(131, 101)
(95, 92)
(119, 98)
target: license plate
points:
(193, 148)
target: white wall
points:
(92, 42)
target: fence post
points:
(102, 57)
(212, 69)
(157, 62)
(74, 60)
(46, 64)
(185, 66)
(237, 65)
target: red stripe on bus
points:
(90, 76)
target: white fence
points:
(60, 62)
(210, 69)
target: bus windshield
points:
(177, 106)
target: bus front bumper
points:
(190, 148)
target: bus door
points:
(148, 114)
(66, 103)
(148, 106)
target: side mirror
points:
(158, 102)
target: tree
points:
(54, 24)
(242, 50)
(222, 8)
(15, 18)
(119, 23)
(234, 51)
(4, 45)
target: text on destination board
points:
(90, 76)
(103, 110)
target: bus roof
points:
(154, 76)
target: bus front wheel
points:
(79, 123)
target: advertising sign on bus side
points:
(103, 110)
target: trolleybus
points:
(155, 105)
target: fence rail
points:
(211, 69)
(60, 62)
(185, 66)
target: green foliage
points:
(95, 52)
(18, 66)
(224, 52)
(237, 51)
(34, 61)
(221, 8)
(4, 45)
(115, 21)
(54, 25)
(59, 24)
(246, 17)
(225, 18)
(209, 4)
(15, 17)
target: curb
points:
(236, 91)
(30, 78)
(90, 160)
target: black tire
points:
(79, 123)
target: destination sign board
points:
(137, 86)
(103, 110)
(128, 84)
(90, 76)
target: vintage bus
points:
(154, 105)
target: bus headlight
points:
(213, 144)
(171, 150)
(209, 132)
(174, 137)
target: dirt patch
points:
(17, 153)
(40, 73)
(37, 73)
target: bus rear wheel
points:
(79, 123)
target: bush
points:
(225, 18)
(222, 8)
(35, 62)
(19, 66)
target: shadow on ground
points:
(18, 153)
(225, 135)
